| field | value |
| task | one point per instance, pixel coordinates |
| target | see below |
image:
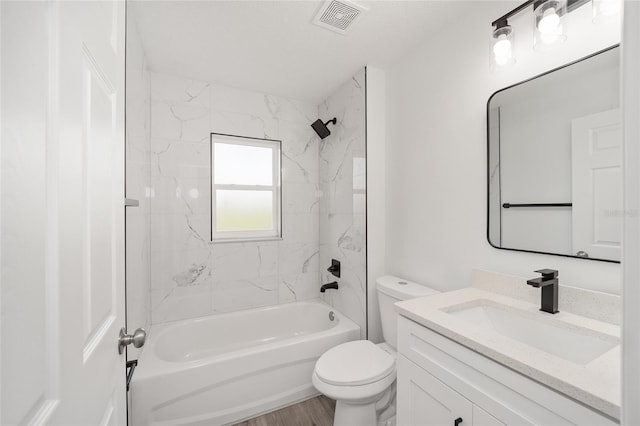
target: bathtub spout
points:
(333, 285)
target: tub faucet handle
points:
(334, 268)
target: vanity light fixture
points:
(548, 16)
(502, 45)
(605, 9)
(549, 25)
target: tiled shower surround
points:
(343, 205)
(192, 277)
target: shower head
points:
(321, 128)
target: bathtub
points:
(230, 367)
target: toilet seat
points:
(354, 364)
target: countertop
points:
(596, 384)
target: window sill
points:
(246, 240)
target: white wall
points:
(436, 152)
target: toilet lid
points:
(354, 363)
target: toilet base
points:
(389, 422)
(354, 414)
(386, 407)
(378, 410)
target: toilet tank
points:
(391, 290)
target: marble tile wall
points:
(138, 186)
(343, 202)
(192, 277)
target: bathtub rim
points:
(150, 365)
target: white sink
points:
(567, 341)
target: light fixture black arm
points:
(502, 21)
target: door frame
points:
(631, 228)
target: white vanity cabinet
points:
(441, 381)
(429, 402)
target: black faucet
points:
(549, 284)
(330, 285)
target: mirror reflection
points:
(554, 162)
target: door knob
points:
(137, 338)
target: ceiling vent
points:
(338, 15)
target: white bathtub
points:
(230, 367)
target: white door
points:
(597, 185)
(424, 400)
(62, 213)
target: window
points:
(245, 188)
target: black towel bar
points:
(509, 205)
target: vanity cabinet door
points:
(424, 400)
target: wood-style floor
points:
(317, 411)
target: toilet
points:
(360, 375)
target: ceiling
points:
(272, 47)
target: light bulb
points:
(606, 9)
(502, 51)
(502, 46)
(549, 22)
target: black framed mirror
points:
(554, 157)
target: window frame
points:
(275, 188)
